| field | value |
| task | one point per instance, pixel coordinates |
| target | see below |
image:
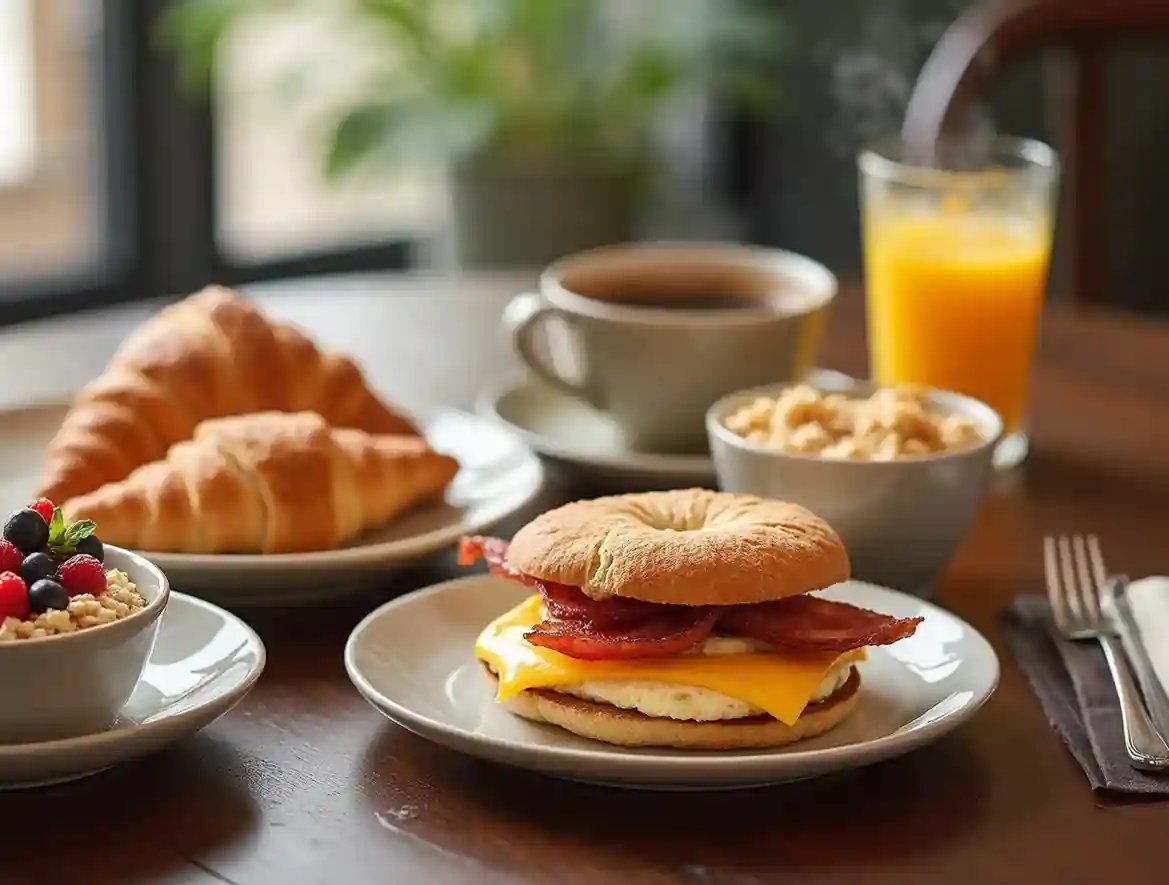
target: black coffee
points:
(684, 301)
(694, 286)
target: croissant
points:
(268, 482)
(210, 355)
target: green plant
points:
(525, 78)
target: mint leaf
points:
(57, 527)
(64, 537)
(78, 531)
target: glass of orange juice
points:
(957, 245)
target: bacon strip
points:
(811, 623)
(570, 603)
(492, 550)
(617, 628)
(561, 600)
(662, 636)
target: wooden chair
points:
(990, 35)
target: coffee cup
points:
(653, 333)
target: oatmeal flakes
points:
(120, 599)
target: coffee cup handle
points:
(523, 317)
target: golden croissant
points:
(270, 482)
(210, 355)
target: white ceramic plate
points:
(203, 663)
(580, 444)
(497, 479)
(412, 660)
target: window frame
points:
(156, 203)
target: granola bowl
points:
(69, 673)
(899, 474)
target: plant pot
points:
(508, 214)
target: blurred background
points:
(150, 147)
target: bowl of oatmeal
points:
(898, 472)
(68, 671)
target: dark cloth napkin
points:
(1075, 688)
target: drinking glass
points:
(957, 243)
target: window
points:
(116, 186)
(17, 99)
(271, 196)
(51, 178)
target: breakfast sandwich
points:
(679, 619)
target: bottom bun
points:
(628, 728)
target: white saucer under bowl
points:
(498, 478)
(412, 660)
(203, 663)
(581, 445)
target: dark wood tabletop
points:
(305, 783)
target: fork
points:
(1075, 582)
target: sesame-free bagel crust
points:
(686, 547)
(628, 728)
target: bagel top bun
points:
(685, 547)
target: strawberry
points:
(45, 508)
(82, 574)
(10, 557)
(13, 596)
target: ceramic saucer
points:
(412, 660)
(580, 445)
(203, 663)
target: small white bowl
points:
(76, 683)
(900, 520)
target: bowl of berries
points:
(78, 620)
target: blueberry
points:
(36, 566)
(91, 545)
(27, 530)
(46, 594)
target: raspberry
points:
(44, 507)
(13, 597)
(82, 574)
(10, 557)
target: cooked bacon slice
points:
(569, 603)
(617, 628)
(561, 600)
(492, 550)
(810, 623)
(663, 636)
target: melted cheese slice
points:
(780, 682)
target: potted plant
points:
(544, 111)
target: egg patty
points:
(685, 702)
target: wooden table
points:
(305, 783)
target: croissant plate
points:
(269, 482)
(211, 355)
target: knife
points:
(1117, 609)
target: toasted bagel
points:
(626, 728)
(686, 547)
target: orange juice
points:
(954, 301)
